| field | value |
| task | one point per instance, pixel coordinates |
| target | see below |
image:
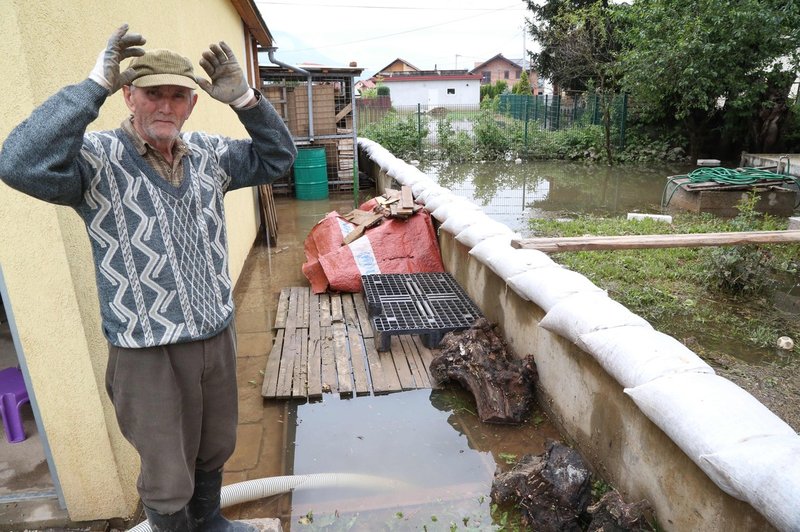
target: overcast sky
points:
(427, 33)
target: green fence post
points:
(536, 108)
(527, 100)
(557, 105)
(419, 129)
(595, 117)
(623, 119)
(545, 112)
(574, 110)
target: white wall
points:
(434, 92)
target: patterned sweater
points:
(160, 252)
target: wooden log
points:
(592, 243)
(479, 360)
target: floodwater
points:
(435, 459)
(514, 193)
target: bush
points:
(455, 147)
(739, 270)
(383, 90)
(401, 136)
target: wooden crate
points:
(292, 104)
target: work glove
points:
(228, 84)
(121, 45)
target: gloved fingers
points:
(131, 39)
(207, 66)
(227, 51)
(127, 77)
(204, 84)
(131, 52)
(214, 55)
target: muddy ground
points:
(776, 384)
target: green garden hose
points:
(726, 176)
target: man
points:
(152, 201)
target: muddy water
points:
(513, 193)
(436, 458)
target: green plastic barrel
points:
(310, 174)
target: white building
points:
(434, 88)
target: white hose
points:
(251, 490)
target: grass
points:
(672, 288)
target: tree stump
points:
(552, 489)
(479, 360)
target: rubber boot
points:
(177, 522)
(204, 510)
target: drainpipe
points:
(307, 74)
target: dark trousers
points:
(177, 405)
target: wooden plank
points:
(291, 315)
(349, 311)
(336, 308)
(401, 364)
(291, 349)
(314, 350)
(363, 315)
(300, 373)
(306, 297)
(324, 310)
(358, 360)
(406, 197)
(583, 243)
(271, 371)
(328, 356)
(283, 308)
(415, 362)
(380, 384)
(427, 357)
(342, 355)
(390, 377)
(344, 112)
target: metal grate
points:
(428, 304)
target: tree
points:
(523, 86)
(552, 26)
(697, 62)
(581, 51)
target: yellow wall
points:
(44, 250)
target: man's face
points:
(159, 112)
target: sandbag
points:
(548, 285)
(764, 472)
(635, 355)
(706, 414)
(457, 222)
(394, 246)
(485, 228)
(434, 201)
(506, 261)
(455, 206)
(587, 312)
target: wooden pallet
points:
(324, 344)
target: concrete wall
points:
(589, 407)
(44, 251)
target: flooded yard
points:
(436, 457)
(514, 193)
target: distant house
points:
(398, 65)
(434, 88)
(501, 68)
(363, 84)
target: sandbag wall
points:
(650, 416)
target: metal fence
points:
(525, 125)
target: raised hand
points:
(121, 45)
(228, 84)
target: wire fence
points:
(533, 126)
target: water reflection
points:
(513, 193)
(441, 457)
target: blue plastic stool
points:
(13, 395)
